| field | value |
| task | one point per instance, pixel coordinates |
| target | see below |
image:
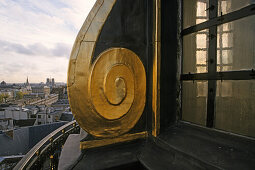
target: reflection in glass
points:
(194, 101)
(201, 57)
(198, 21)
(195, 46)
(224, 48)
(235, 108)
(224, 89)
(226, 27)
(194, 12)
(227, 6)
(227, 40)
(202, 88)
(236, 44)
(227, 57)
(201, 9)
(195, 52)
(201, 40)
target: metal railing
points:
(47, 147)
(9, 162)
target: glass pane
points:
(227, 6)
(227, 56)
(194, 101)
(201, 9)
(201, 57)
(226, 27)
(198, 21)
(235, 108)
(195, 52)
(194, 12)
(201, 40)
(227, 40)
(224, 39)
(236, 44)
(224, 89)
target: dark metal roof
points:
(25, 122)
(66, 117)
(25, 138)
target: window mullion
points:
(212, 64)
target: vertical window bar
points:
(212, 64)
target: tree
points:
(6, 96)
(19, 95)
(1, 98)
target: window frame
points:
(213, 74)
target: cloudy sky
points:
(36, 37)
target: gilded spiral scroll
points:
(117, 82)
(107, 96)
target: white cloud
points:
(36, 37)
(37, 49)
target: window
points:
(218, 63)
(195, 12)
(195, 52)
(194, 105)
(39, 116)
(227, 6)
(236, 112)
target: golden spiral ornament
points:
(117, 86)
(116, 94)
(112, 87)
(107, 96)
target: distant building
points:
(46, 90)
(11, 92)
(40, 99)
(6, 123)
(33, 110)
(61, 104)
(50, 82)
(11, 113)
(25, 90)
(44, 117)
(3, 83)
(67, 116)
(53, 82)
(38, 89)
(24, 122)
(16, 113)
(47, 115)
(28, 87)
(58, 90)
(14, 116)
(41, 89)
(33, 95)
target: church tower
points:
(27, 83)
(28, 87)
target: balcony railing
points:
(8, 162)
(46, 153)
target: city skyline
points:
(36, 38)
(42, 81)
